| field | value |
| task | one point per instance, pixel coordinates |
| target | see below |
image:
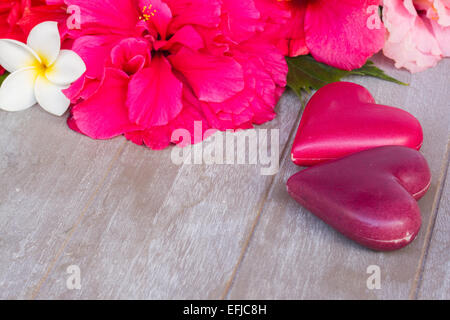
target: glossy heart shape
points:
(370, 197)
(342, 118)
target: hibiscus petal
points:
(190, 119)
(295, 34)
(104, 115)
(52, 11)
(214, 79)
(15, 55)
(154, 94)
(94, 51)
(243, 19)
(271, 60)
(186, 36)
(131, 55)
(45, 41)
(17, 91)
(115, 16)
(285, 25)
(66, 69)
(50, 96)
(157, 13)
(204, 13)
(338, 34)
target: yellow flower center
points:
(41, 69)
(147, 13)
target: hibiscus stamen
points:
(147, 13)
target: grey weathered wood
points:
(293, 254)
(161, 231)
(140, 227)
(435, 281)
(48, 174)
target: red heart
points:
(342, 118)
(369, 196)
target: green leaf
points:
(3, 77)
(369, 69)
(306, 74)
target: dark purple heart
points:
(370, 197)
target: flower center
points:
(147, 13)
(41, 68)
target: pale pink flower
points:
(418, 32)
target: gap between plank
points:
(415, 287)
(230, 282)
(90, 201)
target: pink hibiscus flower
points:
(340, 33)
(419, 32)
(155, 66)
(11, 11)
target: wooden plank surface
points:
(435, 282)
(48, 174)
(160, 231)
(294, 255)
(139, 226)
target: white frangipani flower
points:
(40, 70)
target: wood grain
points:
(435, 281)
(294, 255)
(47, 175)
(162, 231)
(140, 227)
